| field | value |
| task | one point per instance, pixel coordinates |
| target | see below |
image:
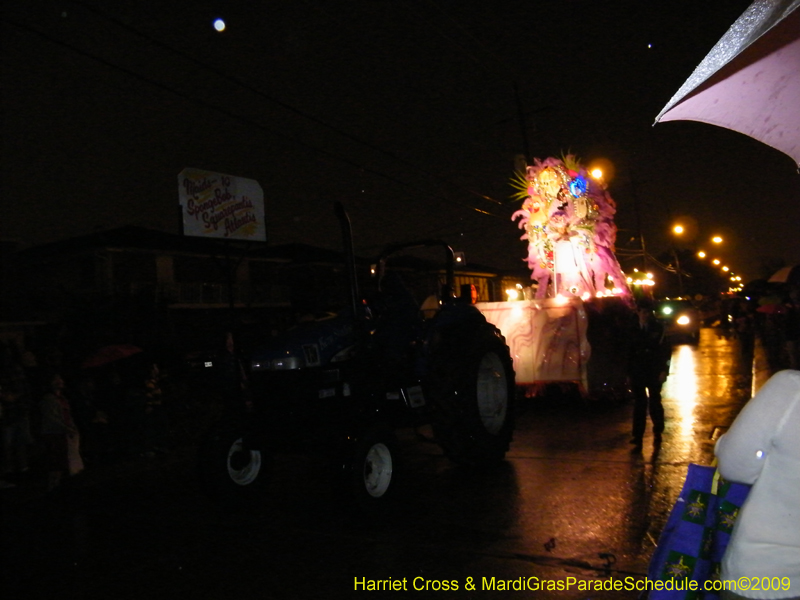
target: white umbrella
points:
(786, 275)
(750, 81)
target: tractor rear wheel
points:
(473, 390)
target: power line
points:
(492, 55)
(286, 106)
(231, 114)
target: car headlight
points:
(683, 320)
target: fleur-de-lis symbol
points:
(728, 519)
(678, 570)
(696, 508)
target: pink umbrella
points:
(750, 81)
(772, 309)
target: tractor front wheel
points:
(372, 468)
(233, 470)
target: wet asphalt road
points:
(571, 500)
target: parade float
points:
(569, 326)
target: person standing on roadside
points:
(60, 435)
(648, 366)
(792, 330)
(15, 411)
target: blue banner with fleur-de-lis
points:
(694, 539)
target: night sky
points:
(405, 111)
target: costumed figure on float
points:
(568, 219)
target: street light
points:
(678, 230)
(602, 169)
(683, 233)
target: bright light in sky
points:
(219, 24)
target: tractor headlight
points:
(284, 363)
(683, 320)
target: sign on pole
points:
(221, 206)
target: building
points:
(134, 285)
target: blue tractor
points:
(342, 385)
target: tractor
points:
(343, 385)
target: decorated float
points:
(570, 326)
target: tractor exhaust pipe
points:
(349, 256)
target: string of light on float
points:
(641, 279)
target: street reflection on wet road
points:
(571, 499)
(682, 385)
(706, 387)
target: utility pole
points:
(678, 270)
(522, 125)
(639, 224)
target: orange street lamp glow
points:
(678, 229)
(716, 239)
(597, 173)
(701, 254)
(715, 261)
(726, 269)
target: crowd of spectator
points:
(56, 421)
(777, 321)
(773, 317)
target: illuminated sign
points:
(221, 206)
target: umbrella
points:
(790, 275)
(750, 81)
(772, 309)
(109, 354)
